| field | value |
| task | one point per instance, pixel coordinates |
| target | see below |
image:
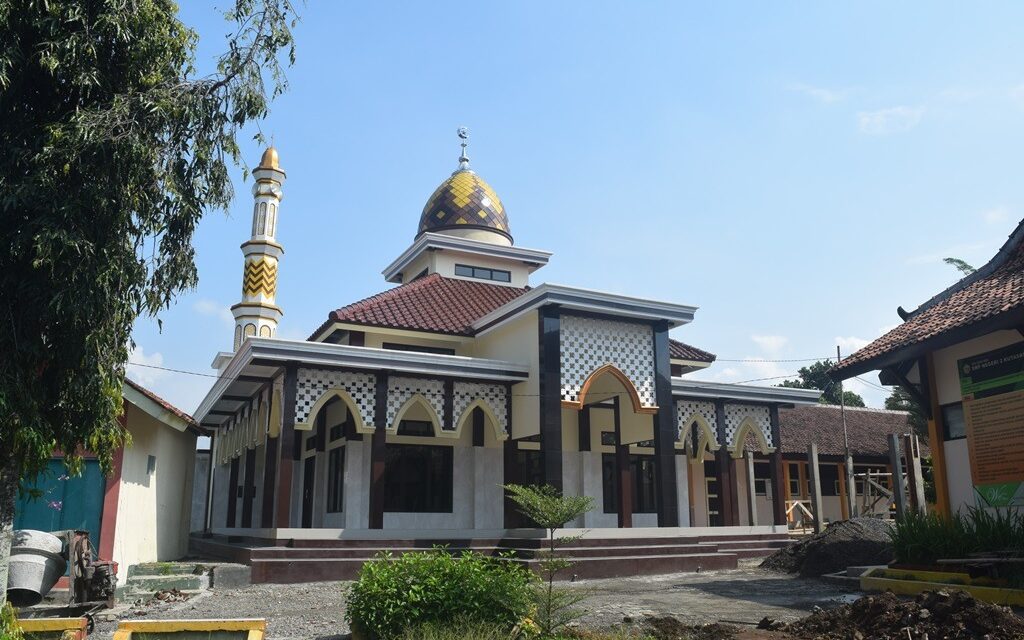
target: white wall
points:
(154, 508)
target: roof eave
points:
(687, 388)
(534, 258)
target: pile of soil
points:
(847, 543)
(937, 615)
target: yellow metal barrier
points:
(910, 583)
(55, 628)
(247, 629)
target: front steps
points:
(597, 557)
(148, 578)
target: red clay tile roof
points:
(160, 401)
(823, 423)
(682, 351)
(994, 290)
(431, 303)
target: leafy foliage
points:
(923, 539)
(960, 265)
(113, 148)
(459, 630)
(816, 377)
(546, 506)
(9, 629)
(394, 595)
(900, 400)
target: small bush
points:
(394, 595)
(9, 629)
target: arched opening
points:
(323, 400)
(416, 409)
(747, 428)
(705, 437)
(595, 389)
(490, 418)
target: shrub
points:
(459, 630)
(9, 629)
(923, 539)
(393, 595)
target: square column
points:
(777, 472)
(664, 433)
(549, 334)
(287, 449)
(378, 449)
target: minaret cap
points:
(269, 160)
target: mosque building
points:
(403, 414)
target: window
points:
(608, 438)
(336, 480)
(762, 473)
(311, 442)
(482, 273)
(418, 479)
(415, 348)
(642, 471)
(416, 428)
(795, 490)
(953, 425)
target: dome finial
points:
(463, 158)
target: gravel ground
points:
(316, 610)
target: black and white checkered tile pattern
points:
(466, 393)
(686, 412)
(313, 383)
(400, 390)
(735, 414)
(590, 343)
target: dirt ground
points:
(316, 610)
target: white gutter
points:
(750, 393)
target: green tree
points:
(900, 400)
(113, 148)
(546, 506)
(960, 265)
(816, 377)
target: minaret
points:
(256, 314)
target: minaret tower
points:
(256, 314)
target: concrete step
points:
(751, 552)
(731, 545)
(610, 551)
(293, 570)
(365, 553)
(153, 584)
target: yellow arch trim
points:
(704, 440)
(488, 411)
(417, 398)
(326, 397)
(748, 425)
(634, 396)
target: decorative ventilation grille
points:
(401, 389)
(313, 383)
(686, 411)
(493, 394)
(589, 343)
(735, 414)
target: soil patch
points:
(937, 615)
(856, 542)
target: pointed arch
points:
(492, 417)
(326, 397)
(749, 425)
(612, 370)
(420, 399)
(706, 437)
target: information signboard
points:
(992, 386)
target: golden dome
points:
(269, 160)
(464, 201)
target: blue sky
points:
(795, 170)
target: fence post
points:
(915, 479)
(899, 488)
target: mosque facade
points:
(407, 411)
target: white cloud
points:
(996, 215)
(821, 94)
(212, 309)
(770, 344)
(138, 370)
(849, 344)
(889, 120)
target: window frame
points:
(483, 273)
(946, 410)
(336, 480)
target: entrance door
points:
(308, 482)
